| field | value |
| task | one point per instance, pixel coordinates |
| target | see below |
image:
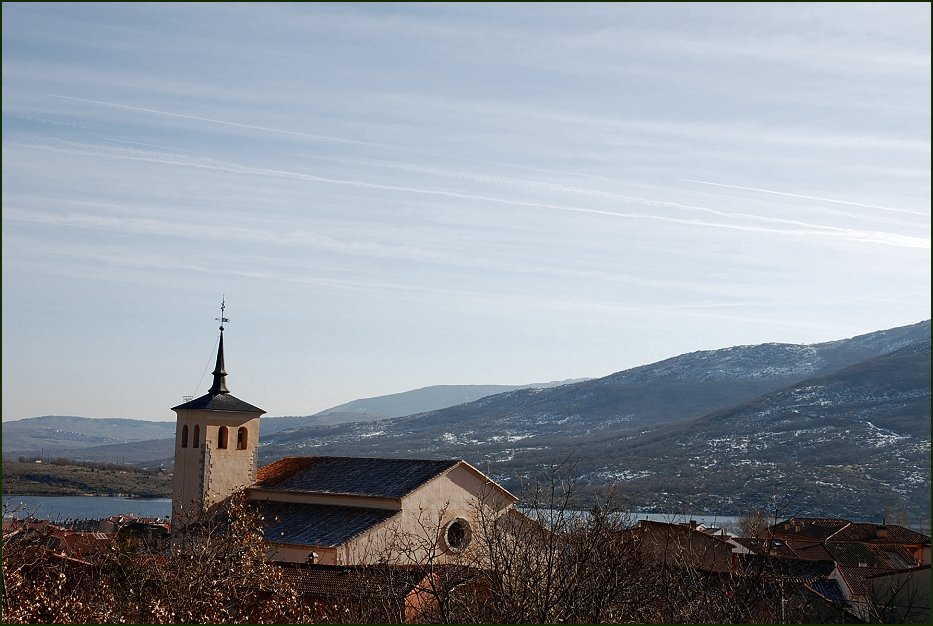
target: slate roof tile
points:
(316, 524)
(219, 402)
(371, 477)
(829, 589)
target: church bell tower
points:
(216, 445)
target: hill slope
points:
(841, 427)
(668, 392)
(64, 432)
(75, 479)
(399, 404)
(757, 406)
(56, 435)
(858, 438)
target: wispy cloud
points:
(492, 172)
(209, 120)
(797, 195)
(795, 228)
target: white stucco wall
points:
(417, 533)
(205, 475)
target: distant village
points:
(386, 540)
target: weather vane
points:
(223, 320)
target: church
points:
(325, 509)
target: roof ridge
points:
(847, 525)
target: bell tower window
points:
(241, 438)
(222, 437)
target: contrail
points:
(152, 145)
(223, 122)
(797, 195)
(803, 230)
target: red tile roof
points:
(808, 527)
(85, 543)
(809, 550)
(283, 468)
(856, 578)
(819, 528)
(774, 547)
(877, 533)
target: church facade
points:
(323, 509)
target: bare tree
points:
(212, 571)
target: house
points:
(347, 510)
(852, 543)
(684, 545)
(901, 597)
(80, 544)
(326, 510)
(879, 569)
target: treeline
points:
(65, 477)
(78, 463)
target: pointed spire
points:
(220, 374)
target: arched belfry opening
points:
(207, 471)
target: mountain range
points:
(836, 428)
(110, 439)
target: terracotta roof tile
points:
(774, 547)
(283, 468)
(809, 527)
(857, 578)
(809, 550)
(86, 543)
(854, 554)
(786, 569)
(891, 533)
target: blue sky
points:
(395, 196)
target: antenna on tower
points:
(223, 320)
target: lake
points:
(728, 522)
(59, 508)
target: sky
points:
(391, 196)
